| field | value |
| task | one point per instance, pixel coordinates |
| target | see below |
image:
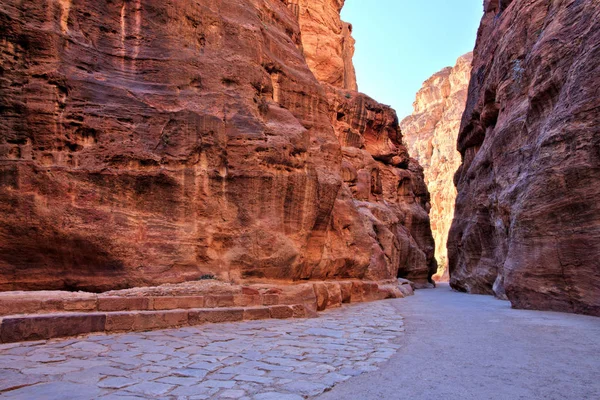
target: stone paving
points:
(261, 360)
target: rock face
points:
(327, 41)
(430, 134)
(527, 222)
(148, 142)
(386, 188)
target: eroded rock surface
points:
(151, 142)
(430, 134)
(327, 41)
(527, 223)
(385, 186)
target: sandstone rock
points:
(527, 211)
(430, 134)
(381, 215)
(327, 41)
(322, 295)
(151, 142)
(281, 312)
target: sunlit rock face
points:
(527, 223)
(146, 142)
(430, 134)
(327, 41)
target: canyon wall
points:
(527, 222)
(147, 142)
(327, 41)
(430, 134)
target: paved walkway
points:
(460, 346)
(456, 346)
(263, 360)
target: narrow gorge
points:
(430, 134)
(197, 202)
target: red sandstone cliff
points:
(527, 223)
(147, 142)
(430, 134)
(327, 41)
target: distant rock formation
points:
(148, 142)
(527, 222)
(430, 134)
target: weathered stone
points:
(147, 320)
(225, 315)
(172, 303)
(257, 313)
(430, 134)
(335, 295)
(122, 303)
(527, 214)
(270, 299)
(162, 161)
(219, 301)
(281, 312)
(322, 295)
(327, 41)
(346, 291)
(36, 327)
(120, 321)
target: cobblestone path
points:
(262, 360)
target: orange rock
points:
(430, 134)
(322, 295)
(123, 303)
(209, 151)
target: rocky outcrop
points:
(385, 186)
(430, 134)
(327, 41)
(151, 142)
(527, 213)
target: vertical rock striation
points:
(527, 222)
(430, 134)
(146, 142)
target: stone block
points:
(222, 300)
(346, 291)
(335, 295)
(257, 313)
(281, 312)
(122, 303)
(270, 299)
(322, 295)
(197, 317)
(40, 327)
(356, 294)
(148, 320)
(19, 306)
(177, 302)
(247, 300)
(120, 321)
(79, 304)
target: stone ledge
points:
(17, 328)
(23, 317)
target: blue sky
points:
(401, 43)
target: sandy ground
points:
(460, 346)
